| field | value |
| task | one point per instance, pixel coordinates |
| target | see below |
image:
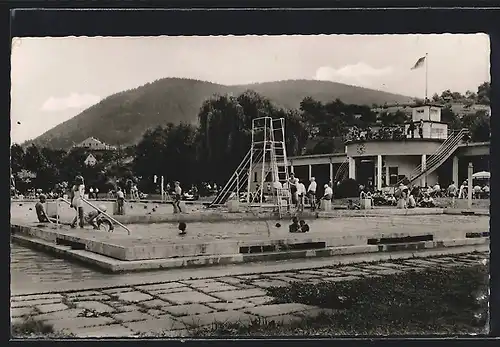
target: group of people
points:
(299, 193)
(95, 218)
(478, 191)
(413, 126)
(298, 226)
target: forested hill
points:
(122, 118)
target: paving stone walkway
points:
(173, 308)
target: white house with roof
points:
(94, 144)
(91, 160)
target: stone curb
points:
(245, 270)
(113, 265)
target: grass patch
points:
(434, 301)
(30, 327)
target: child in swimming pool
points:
(304, 228)
(182, 228)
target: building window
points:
(393, 175)
(255, 176)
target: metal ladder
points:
(279, 164)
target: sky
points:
(54, 79)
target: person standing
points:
(91, 193)
(411, 129)
(292, 184)
(77, 193)
(120, 201)
(421, 129)
(96, 193)
(327, 195)
(301, 192)
(311, 193)
(177, 197)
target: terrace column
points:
(455, 170)
(470, 171)
(387, 178)
(331, 172)
(310, 171)
(423, 181)
(379, 172)
(352, 168)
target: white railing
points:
(237, 180)
(93, 206)
(441, 154)
(341, 170)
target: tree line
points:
(211, 150)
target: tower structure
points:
(267, 155)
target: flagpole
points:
(426, 75)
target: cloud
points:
(74, 100)
(360, 74)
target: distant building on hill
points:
(91, 160)
(94, 144)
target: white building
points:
(91, 160)
(94, 144)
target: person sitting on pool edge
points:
(40, 210)
(304, 228)
(182, 228)
(294, 227)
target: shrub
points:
(432, 301)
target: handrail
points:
(230, 182)
(341, 168)
(451, 141)
(107, 215)
(98, 209)
(228, 188)
(442, 152)
(437, 152)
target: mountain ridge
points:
(123, 117)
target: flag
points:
(420, 62)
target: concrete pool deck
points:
(222, 241)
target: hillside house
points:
(94, 144)
(91, 160)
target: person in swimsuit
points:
(78, 192)
(177, 197)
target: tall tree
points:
(483, 93)
(16, 158)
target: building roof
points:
(431, 104)
(92, 139)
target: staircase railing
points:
(341, 170)
(442, 153)
(236, 181)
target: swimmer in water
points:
(304, 228)
(294, 227)
(182, 228)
